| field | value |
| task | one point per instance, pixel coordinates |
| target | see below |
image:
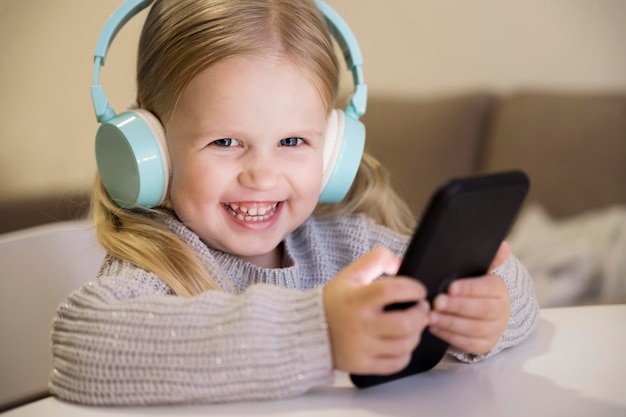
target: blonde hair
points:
(180, 38)
(372, 194)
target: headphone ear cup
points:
(132, 158)
(343, 150)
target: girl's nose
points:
(260, 173)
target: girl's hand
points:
(364, 338)
(473, 315)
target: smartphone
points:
(458, 236)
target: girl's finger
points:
(463, 326)
(375, 263)
(465, 343)
(470, 307)
(487, 286)
(387, 291)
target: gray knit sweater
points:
(126, 339)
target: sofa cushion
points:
(425, 142)
(572, 145)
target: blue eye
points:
(291, 141)
(226, 142)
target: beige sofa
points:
(572, 145)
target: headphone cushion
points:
(343, 150)
(132, 158)
(332, 143)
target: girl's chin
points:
(272, 259)
(260, 250)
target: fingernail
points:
(441, 302)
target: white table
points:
(573, 365)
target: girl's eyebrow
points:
(307, 133)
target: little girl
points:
(239, 285)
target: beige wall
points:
(411, 47)
(429, 46)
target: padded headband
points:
(352, 55)
(340, 30)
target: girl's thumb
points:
(375, 263)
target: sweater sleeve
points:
(524, 309)
(152, 348)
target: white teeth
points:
(251, 214)
(254, 211)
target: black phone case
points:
(457, 237)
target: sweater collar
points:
(227, 268)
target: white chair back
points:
(39, 267)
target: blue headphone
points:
(131, 151)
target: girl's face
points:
(246, 146)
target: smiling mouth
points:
(254, 213)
